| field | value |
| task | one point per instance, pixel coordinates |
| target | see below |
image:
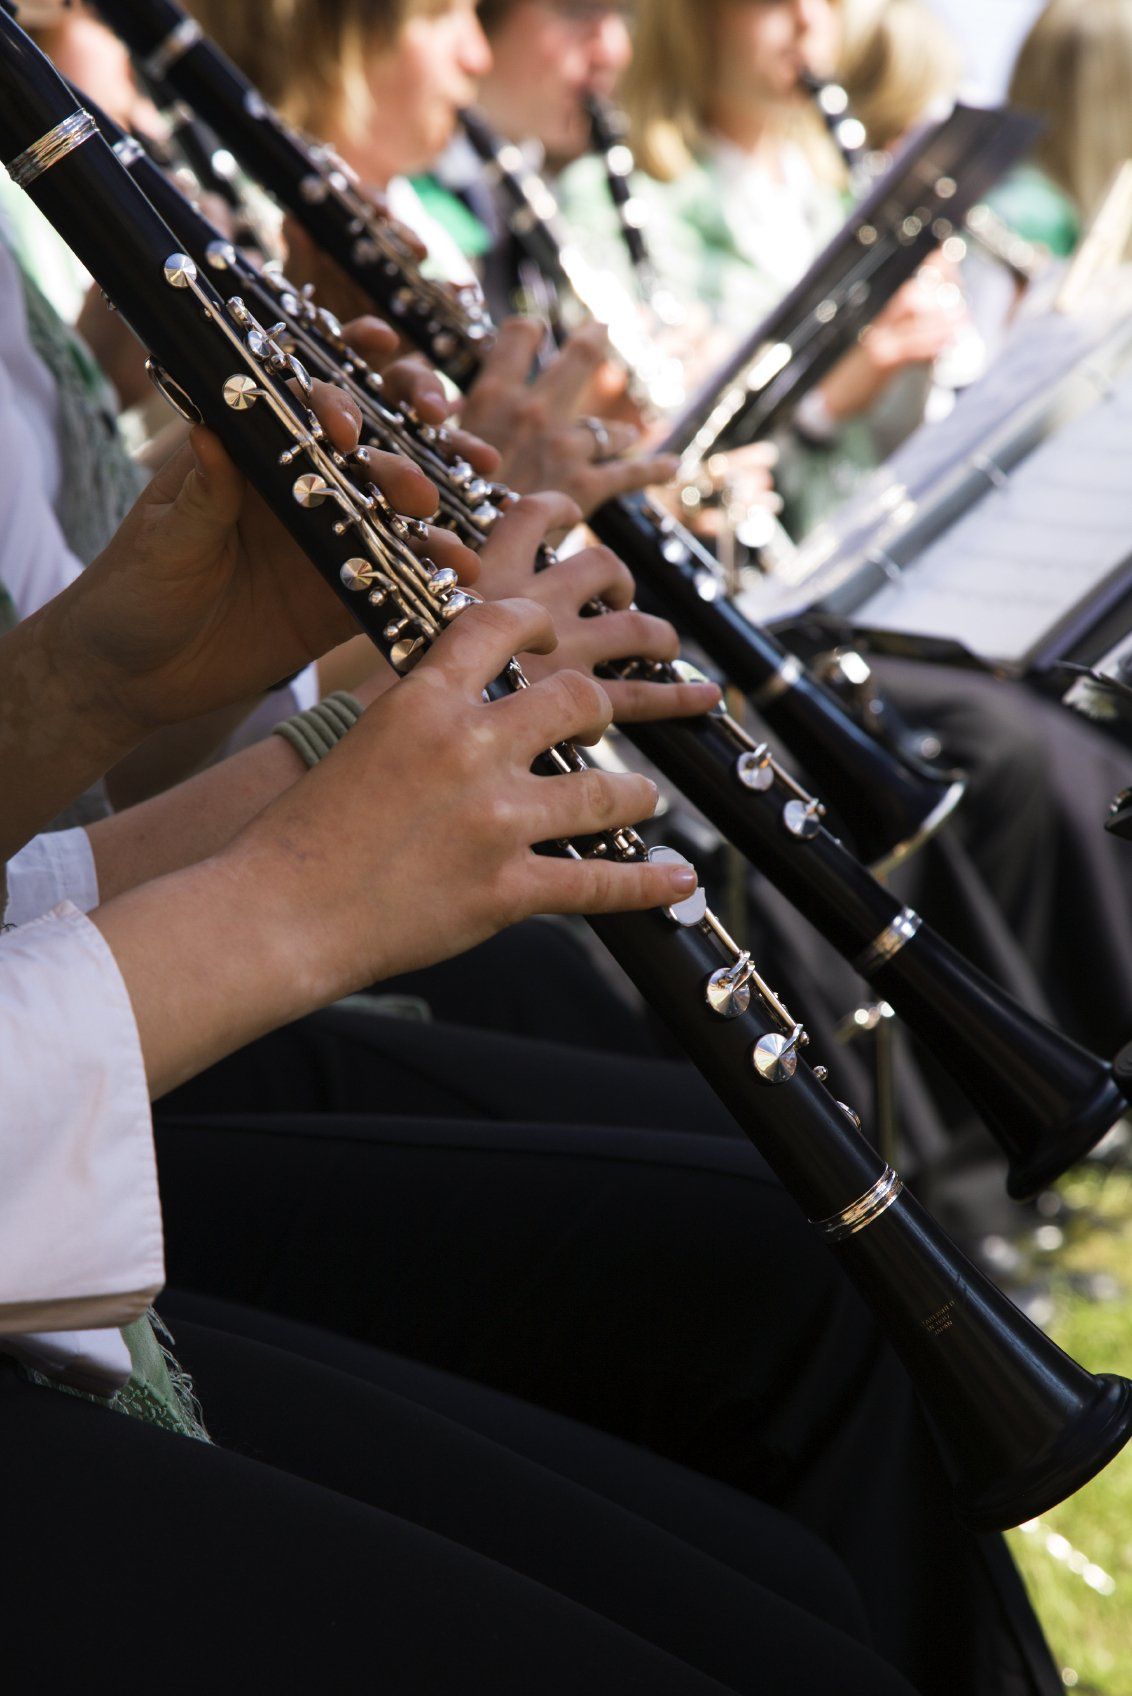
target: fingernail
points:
(684, 879)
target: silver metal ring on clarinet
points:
(603, 441)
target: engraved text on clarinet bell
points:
(941, 1320)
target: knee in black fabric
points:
(233, 1574)
(660, 1287)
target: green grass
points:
(1090, 1632)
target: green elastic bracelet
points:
(312, 734)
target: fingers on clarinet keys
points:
(690, 911)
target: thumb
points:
(211, 495)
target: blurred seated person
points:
(741, 188)
(385, 84)
(1074, 71)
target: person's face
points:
(420, 85)
(549, 54)
(763, 45)
(86, 51)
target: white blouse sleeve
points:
(35, 561)
(58, 866)
(80, 1220)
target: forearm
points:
(187, 824)
(202, 815)
(58, 731)
(207, 959)
(172, 755)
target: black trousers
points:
(1031, 826)
(347, 1536)
(658, 1287)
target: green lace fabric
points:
(100, 481)
(159, 1392)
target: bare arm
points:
(431, 791)
(60, 729)
(192, 821)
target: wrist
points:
(95, 691)
(211, 961)
(57, 736)
(300, 950)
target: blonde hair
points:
(668, 88)
(1075, 70)
(307, 57)
(898, 61)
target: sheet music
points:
(1002, 576)
(1039, 357)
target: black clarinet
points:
(609, 139)
(844, 128)
(215, 172)
(910, 209)
(734, 781)
(655, 378)
(1044, 1098)
(1022, 1425)
(892, 805)
(983, 227)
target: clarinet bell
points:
(1039, 1160)
(1020, 1424)
(909, 814)
(1095, 1423)
(903, 798)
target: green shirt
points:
(729, 251)
(1033, 205)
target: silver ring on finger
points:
(603, 441)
